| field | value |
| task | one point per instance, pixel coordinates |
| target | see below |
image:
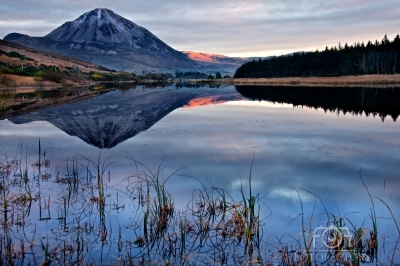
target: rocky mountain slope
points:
(100, 36)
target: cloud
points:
(254, 27)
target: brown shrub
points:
(7, 81)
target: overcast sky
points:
(229, 27)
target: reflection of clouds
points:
(202, 101)
(214, 99)
(290, 193)
(260, 103)
(244, 184)
(30, 131)
(305, 148)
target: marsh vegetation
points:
(73, 214)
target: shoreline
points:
(52, 85)
(382, 80)
(81, 91)
(377, 81)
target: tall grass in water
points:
(342, 241)
(93, 220)
(252, 225)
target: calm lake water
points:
(310, 146)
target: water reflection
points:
(370, 101)
(109, 119)
(299, 148)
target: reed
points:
(214, 228)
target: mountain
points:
(109, 119)
(216, 61)
(100, 36)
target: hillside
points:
(43, 58)
(25, 66)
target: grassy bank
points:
(342, 81)
(22, 66)
(16, 81)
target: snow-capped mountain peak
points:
(99, 25)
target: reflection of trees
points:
(371, 101)
(180, 85)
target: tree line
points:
(372, 58)
(190, 75)
(199, 75)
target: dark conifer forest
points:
(379, 57)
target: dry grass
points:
(24, 81)
(45, 58)
(63, 63)
(13, 61)
(343, 81)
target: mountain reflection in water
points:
(109, 119)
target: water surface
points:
(212, 135)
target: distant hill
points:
(216, 61)
(100, 36)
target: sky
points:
(228, 27)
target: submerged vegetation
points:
(372, 58)
(77, 215)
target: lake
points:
(75, 177)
